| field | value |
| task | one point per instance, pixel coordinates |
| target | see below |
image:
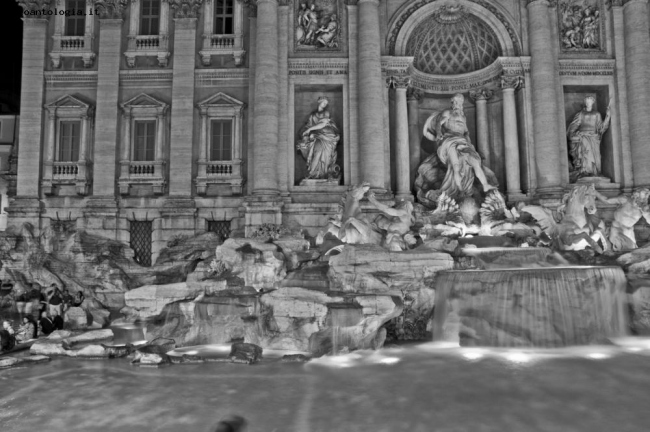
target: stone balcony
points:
(141, 175)
(225, 173)
(148, 46)
(61, 176)
(72, 46)
(222, 45)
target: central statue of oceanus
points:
(456, 165)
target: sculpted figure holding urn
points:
(585, 134)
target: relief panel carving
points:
(581, 26)
(317, 25)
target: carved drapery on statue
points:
(317, 25)
(317, 145)
(580, 25)
(585, 134)
(455, 168)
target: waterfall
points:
(543, 307)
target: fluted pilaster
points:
(413, 97)
(400, 84)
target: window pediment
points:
(144, 105)
(221, 104)
(69, 106)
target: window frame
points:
(149, 19)
(76, 19)
(144, 120)
(60, 143)
(223, 121)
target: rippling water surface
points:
(422, 388)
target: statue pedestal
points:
(325, 183)
(602, 184)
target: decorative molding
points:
(395, 65)
(396, 27)
(511, 82)
(481, 94)
(146, 78)
(70, 79)
(111, 9)
(398, 82)
(318, 66)
(580, 67)
(216, 77)
(185, 8)
(30, 8)
(455, 83)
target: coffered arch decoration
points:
(489, 33)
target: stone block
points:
(149, 300)
(76, 318)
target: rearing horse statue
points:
(574, 229)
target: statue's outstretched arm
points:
(383, 207)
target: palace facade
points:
(143, 120)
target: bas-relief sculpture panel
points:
(317, 25)
(581, 25)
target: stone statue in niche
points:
(317, 145)
(456, 164)
(585, 134)
(317, 25)
(580, 24)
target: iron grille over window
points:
(223, 17)
(145, 140)
(69, 142)
(221, 228)
(75, 24)
(221, 145)
(150, 17)
(141, 241)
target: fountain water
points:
(543, 307)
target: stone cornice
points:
(185, 8)
(111, 9)
(148, 78)
(72, 79)
(481, 94)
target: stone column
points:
(510, 137)
(544, 79)
(637, 74)
(266, 100)
(181, 141)
(51, 138)
(252, 54)
(413, 97)
(371, 101)
(482, 129)
(400, 84)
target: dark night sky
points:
(11, 34)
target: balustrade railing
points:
(222, 41)
(72, 43)
(142, 169)
(65, 169)
(220, 168)
(147, 42)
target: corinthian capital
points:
(481, 94)
(30, 7)
(185, 8)
(511, 82)
(398, 82)
(111, 9)
(413, 93)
